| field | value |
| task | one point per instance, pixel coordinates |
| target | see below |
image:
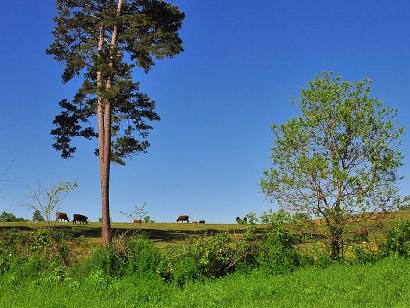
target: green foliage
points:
(147, 219)
(179, 268)
(398, 240)
(250, 232)
(213, 254)
(134, 255)
(382, 284)
(10, 217)
(277, 253)
(27, 253)
(37, 216)
(364, 256)
(339, 157)
(207, 257)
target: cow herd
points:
(81, 219)
(182, 218)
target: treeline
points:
(10, 217)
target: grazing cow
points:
(183, 218)
(137, 221)
(80, 218)
(62, 216)
(202, 221)
(194, 222)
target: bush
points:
(125, 256)
(398, 240)
(179, 268)
(364, 256)
(277, 253)
(28, 253)
(213, 254)
(207, 257)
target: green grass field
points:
(384, 284)
(84, 237)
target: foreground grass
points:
(384, 284)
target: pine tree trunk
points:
(103, 157)
(104, 129)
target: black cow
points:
(183, 218)
(62, 216)
(80, 218)
(201, 221)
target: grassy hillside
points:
(84, 237)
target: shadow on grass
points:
(153, 234)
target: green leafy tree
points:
(102, 42)
(37, 216)
(339, 158)
(9, 217)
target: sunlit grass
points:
(383, 284)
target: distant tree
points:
(10, 217)
(139, 212)
(242, 221)
(147, 219)
(47, 200)
(103, 41)
(339, 159)
(37, 216)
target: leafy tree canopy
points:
(339, 157)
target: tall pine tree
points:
(102, 41)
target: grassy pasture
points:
(83, 238)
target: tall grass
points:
(383, 284)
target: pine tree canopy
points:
(146, 30)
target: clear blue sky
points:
(243, 61)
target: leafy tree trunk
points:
(104, 128)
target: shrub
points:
(277, 253)
(204, 256)
(398, 240)
(213, 254)
(125, 256)
(28, 253)
(143, 257)
(364, 256)
(179, 268)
